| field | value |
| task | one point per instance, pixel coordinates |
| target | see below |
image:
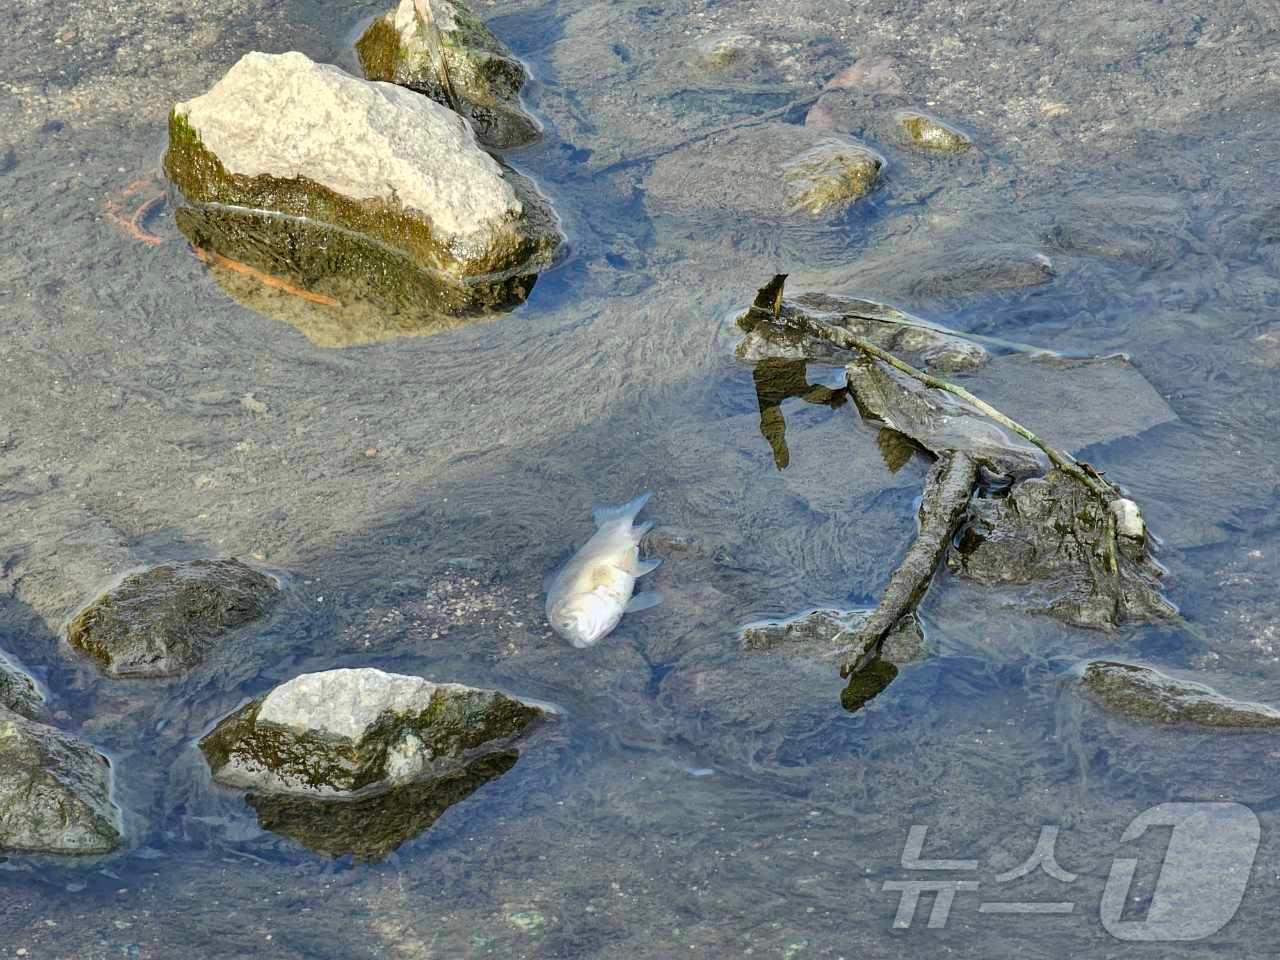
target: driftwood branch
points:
(947, 491)
(946, 498)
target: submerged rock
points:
(369, 828)
(729, 50)
(930, 133)
(1054, 536)
(19, 692)
(342, 732)
(354, 191)
(831, 633)
(1144, 694)
(55, 792)
(164, 620)
(479, 71)
(788, 190)
(832, 174)
(874, 74)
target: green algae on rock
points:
(358, 731)
(369, 828)
(164, 620)
(397, 205)
(930, 133)
(1144, 694)
(402, 47)
(55, 792)
(831, 174)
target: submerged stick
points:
(946, 498)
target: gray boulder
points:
(352, 192)
(55, 792)
(480, 77)
(164, 620)
(19, 692)
(1144, 694)
(359, 731)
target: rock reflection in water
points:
(346, 312)
(369, 828)
(777, 380)
(865, 685)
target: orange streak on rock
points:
(132, 223)
(218, 260)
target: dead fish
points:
(589, 596)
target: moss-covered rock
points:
(55, 792)
(483, 75)
(1058, 539)
(19, 692)
(831, 175)
(164, 620)
(396, 205)
(369, 828)
(930, 133)
(345, 732)
(1141, 693)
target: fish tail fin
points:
(623, 513)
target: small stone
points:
(1129, 521)
(371, 452)
(252, 404)
(164, 620)
(340, 732)
(486, 77)
(727, 50)
(19, 692)
(831, 174)
(55, 792)
(1142, 693)
(527, 921)
(930, 133)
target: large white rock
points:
(284, 116)
(346, 703)
(355, 731)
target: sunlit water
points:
(694, 801)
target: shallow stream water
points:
(412, 492)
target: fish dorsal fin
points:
(625, 512)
